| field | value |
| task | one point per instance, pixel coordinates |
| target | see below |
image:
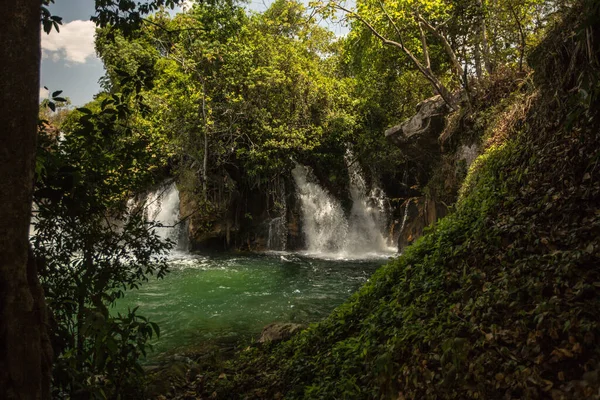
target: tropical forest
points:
(325, 199)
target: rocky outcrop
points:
(166, 379)
(295, 239)
(214, 233)
(279, 331)
(467, 153)
(418, 136)
(242, 220)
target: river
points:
(230, 298)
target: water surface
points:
(232, 297)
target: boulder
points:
(279, 331)
(418, 136)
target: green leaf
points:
(156, 328)
(84, 110)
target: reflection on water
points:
(232, 297)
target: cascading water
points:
(162, 207)
(368, 215)
(277, 234)
(323, 222)
(326, 229)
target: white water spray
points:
(162, 207)
(326, 229)
(323, 220)
(368, 216)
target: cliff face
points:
(420, 213)
(242, 219)
(442, 145)
(443, 166)
(500, 299)
(418, 135)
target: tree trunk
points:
(522, 37)
(487, 57)
(477, 61)
(25, 355)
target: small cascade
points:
(405, 217)
(324, 224)
(326, 228)
(162, 207)
(277, 239)
(369, 214)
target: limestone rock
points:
(467, 153)
(418, 136)
(279, 331)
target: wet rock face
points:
(418, 136)
(279, 331)
(421, 213)
(241, 220)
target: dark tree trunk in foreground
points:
(25, 354)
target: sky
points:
(69, 61)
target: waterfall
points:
(162, 208)
(326, 228)
(405, 217)
(368, 215)
(323, 222)
(277, 239)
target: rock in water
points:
(279, 331)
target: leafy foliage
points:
(48, 20)
(92, 247)
(498, 300)
(236, 96)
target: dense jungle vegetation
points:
(499, 299)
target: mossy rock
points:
(279, 331)
(167, 378)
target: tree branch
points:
(437, 85)
(425, 50)
(453, 59)
(391, 22)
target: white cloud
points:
(74, 42)
(187, 4)
(43, 93)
